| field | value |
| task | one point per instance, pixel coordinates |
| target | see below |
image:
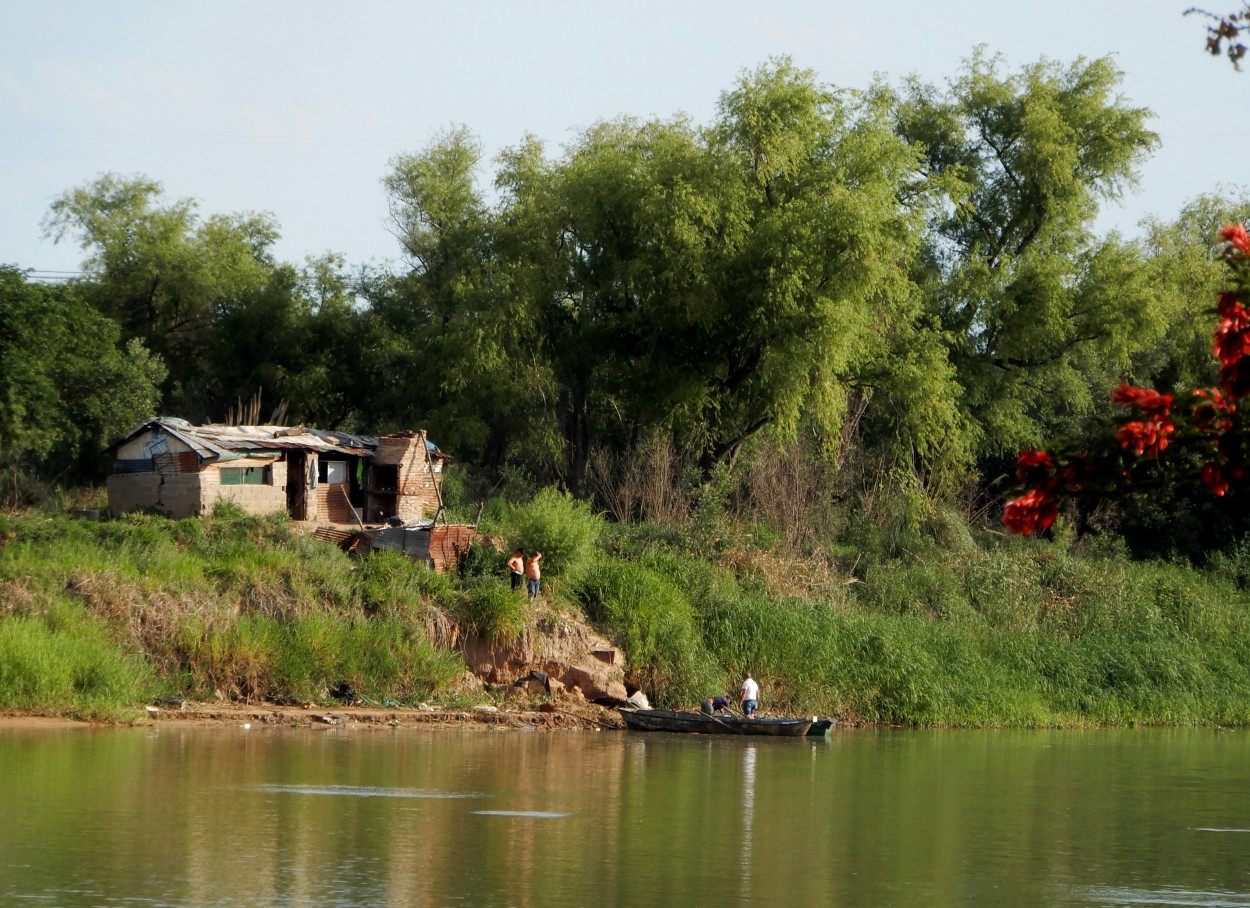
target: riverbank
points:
(210, 714)
(98, 618)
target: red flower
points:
(1033, 511)
(1150, 402)
(1235, 379)
(1232, 337)
(1213, 416)
(1036, 469)
(1230, 307)
(1213, 478)
(1235, 236)
(1144, 438)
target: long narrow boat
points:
(699, 723)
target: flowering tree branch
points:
(1201, 438)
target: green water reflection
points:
(229, 817)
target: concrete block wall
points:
(176, 495)
(255, 499)
(133, 492)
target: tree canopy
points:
(68, 386)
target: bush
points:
(493, 610)
(63, 660)
(558, 525)
(305, 659)
(657, 627)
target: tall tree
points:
(207, 296)
(1023, 295)
(711, 282)
(68, 386)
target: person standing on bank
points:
(516, 564)
(749, 701)
(533, 574)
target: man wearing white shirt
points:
(750, 698)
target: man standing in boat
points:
(750, 698)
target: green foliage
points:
(234, 604)
(391, 584)
(493, 610)
(63, 661)
(67, 385)
(806, 324)
(303, 660)
(1033, 310)
(657, 626)
(207, 298)
(962, 630)
(555, 523)
(708, 282)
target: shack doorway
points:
(297, 484)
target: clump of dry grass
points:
(787, 574)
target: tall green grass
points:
(63, 661)
(232, 605)
(308, 658)
(957, 628)
(1019, 634)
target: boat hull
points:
(821, 727)
(698, 723)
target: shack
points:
(393, 482)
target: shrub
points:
(656, 625)
(558, 525)
(494, 610)
(64, 660)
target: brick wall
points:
(419, 475)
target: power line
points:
(189, 138)
(50, 276)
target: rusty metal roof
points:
(216, 442)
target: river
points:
(176, 816)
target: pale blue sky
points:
(296, 107)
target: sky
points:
(296, 108)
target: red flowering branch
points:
(1157, 440)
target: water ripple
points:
(1179, 897)
(359, 791)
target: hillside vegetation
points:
(982, 630)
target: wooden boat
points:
(699, 723)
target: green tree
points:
(68, 386)
(1184, 264)
(207, 296)
(449, 342)
(1026, 300)
(710, 282)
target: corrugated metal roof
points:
(214, 442)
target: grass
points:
(104, 615)
(977, 632)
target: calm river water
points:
(475, 817)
